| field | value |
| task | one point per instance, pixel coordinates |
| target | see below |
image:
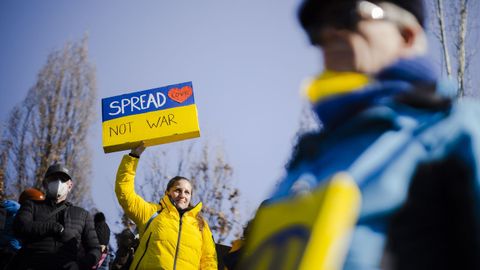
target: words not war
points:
(137, 103)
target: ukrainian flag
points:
(307, 231)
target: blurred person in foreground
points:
(52, 230)
(173, 233)
(395, 128)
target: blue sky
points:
(246, 59)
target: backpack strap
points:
(153, 217)
(54, 212)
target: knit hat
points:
(311, 12)
(102, 229)
(31, 194)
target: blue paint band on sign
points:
(147, 101)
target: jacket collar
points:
(337, 97)
(166, 203)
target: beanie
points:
(102, 229)
(312, 10)
(31, 194)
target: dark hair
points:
(98, 217)
(311, 12)
(175, 180)
(102, 229)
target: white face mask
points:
(57, 190)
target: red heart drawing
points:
(180, 95)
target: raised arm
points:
(135, 207)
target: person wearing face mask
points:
(173, 234)
(393, 127)
(54, 231)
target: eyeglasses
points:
(344, 16)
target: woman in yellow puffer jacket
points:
(173, 234)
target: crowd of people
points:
(46, 231)
(388, 122)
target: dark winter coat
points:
(55, 242)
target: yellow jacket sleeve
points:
(208, 260)
(135, 207)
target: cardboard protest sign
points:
(156, 116)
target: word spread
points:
(140, 103)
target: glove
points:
(56, 228)
(67, 235)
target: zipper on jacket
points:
(144, 252)
(178, 245)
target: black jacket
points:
(52, 242)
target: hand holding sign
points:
(137, 151)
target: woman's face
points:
(181, 193)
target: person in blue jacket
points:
(396, 128)
(9, 244)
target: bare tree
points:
(211, 176)
(454, 31)
(51, 124)
(3, 161)
(442, 35)
(308, 121)
(461, 48)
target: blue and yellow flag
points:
(307, 231)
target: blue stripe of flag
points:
(144, 101)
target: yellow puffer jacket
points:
(169, 242)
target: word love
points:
(180, 95)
